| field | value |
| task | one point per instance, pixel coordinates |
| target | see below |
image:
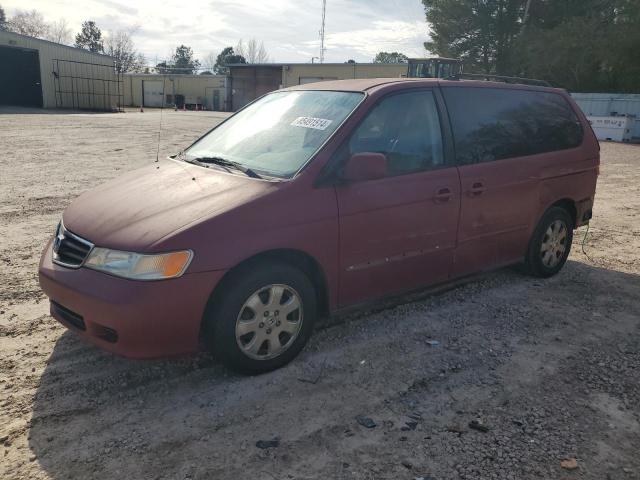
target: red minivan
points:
(315, 198)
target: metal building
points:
(207, 92)
(611, 105)
(250, 81)
(39, 73)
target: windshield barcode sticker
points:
(310, 122)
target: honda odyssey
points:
(315, 198)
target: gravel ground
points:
(548, 370)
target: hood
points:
(136, 210)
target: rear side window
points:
(494, 123)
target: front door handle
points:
(476, 189)
(442, 195)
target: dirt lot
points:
(551, 367)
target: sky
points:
(355, 29)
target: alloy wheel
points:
(269, 321)
(554, 244)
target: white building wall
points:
(606, 104)
(297, 74)
(200, 89)
(48, 52)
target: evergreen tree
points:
(581, 45)
(227, 57)
(3, 19)
(90, 37)
(183, 61)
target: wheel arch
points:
(569, 205)
(293, 257)
(566, 203)
(531, 265)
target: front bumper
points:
(136, 319)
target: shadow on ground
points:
(11, 110)
(99, 416)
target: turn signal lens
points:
(169, 264)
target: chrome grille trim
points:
(70, 250)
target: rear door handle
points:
(442, 195)
(476, 189)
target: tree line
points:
(184, 61)
(119, 44)
(581, 45)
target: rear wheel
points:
(550, 243)
(263, 318)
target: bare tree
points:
(257, 51)
(209, 61)
(253, 51)
(59, 32)
(241, 50)
(29, 23)
(120, 46)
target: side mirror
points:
(365, 166)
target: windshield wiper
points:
(223, 162)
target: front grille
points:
(67, 316)
(70, 250)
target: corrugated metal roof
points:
(50, 43)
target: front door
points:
(20, 82)
(398, 232)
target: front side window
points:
(496, 123)
(406, 129)
(279, 133)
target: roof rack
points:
(500, 78)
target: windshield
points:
(279, 133)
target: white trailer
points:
(616, 129)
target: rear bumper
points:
(584, 212)
(134, 319)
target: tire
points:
(254, 325)
(550, 243)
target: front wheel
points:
(550, 243)
(263, 318)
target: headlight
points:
(137, 266)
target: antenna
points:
(324, 12)
(164, 78)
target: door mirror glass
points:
(365, 166)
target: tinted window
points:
(493, 123)
(406, 128)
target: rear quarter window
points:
(493, 123)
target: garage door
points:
(249, 83)
(20, 77)
(152, 90)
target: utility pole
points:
(324, 11)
